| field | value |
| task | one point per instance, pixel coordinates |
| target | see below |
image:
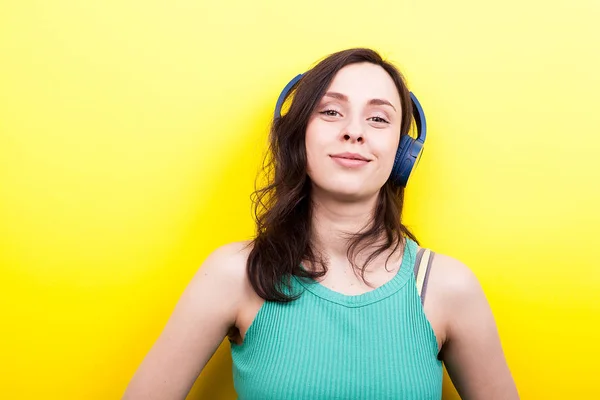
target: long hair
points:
(282, 207)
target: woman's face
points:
(353, 135)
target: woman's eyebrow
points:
(337, 95)
(381, 102)
(343, 97)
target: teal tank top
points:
(327, 345)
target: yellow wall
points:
(130, 134)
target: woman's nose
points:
(354, 132)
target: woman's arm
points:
(199, 323)
(472, 351)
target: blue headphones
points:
(408, 148)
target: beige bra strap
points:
(422, 271)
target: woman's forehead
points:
(363, 82)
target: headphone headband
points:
(284, 94)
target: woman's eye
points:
(330, 113)
(379, 119)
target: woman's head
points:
(350, 102)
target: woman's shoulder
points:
(453, 286)
(228, 261)
(452, 276)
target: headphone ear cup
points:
(406, 157)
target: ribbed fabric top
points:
(327, 345)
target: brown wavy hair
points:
(282, 207)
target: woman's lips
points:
(349, 162)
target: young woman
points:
(334, 298)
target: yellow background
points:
(131, 133)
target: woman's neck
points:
(334, 221)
